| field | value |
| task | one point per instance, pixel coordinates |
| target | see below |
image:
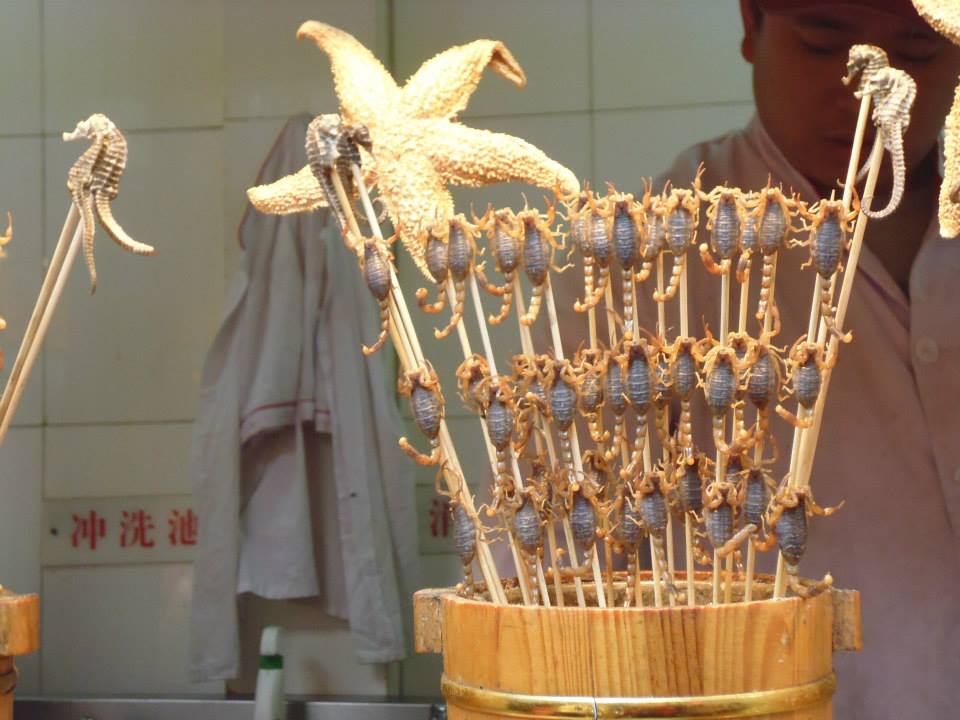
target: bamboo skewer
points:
(720, 468)
(411, 356)
(800, 441)
(43, 311)
(688, 535)
(15, 385)
(665, 451)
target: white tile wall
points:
(633, 144)
(156, 65)
(134, 350)
(117, 630)
(21, 271)
(116, 460)
(548, 39)
(20, 526)
(268, 71)
(648, 53)
(21, 53)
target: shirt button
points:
(926, 350)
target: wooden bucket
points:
(766, 658)
(19, 635)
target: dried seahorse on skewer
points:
(461, 255)
(774, 215)
(653, 235)
(786, 520)
(627, 531)
(333, 146)
(829, 223)
(652, 492)
(721, 370)
(626, 220)
(638, 384)
(616, 400)
(504, 235)
(726, 218)
(601, 249)
(684, 376)
(588, 365)
(864, 60)
(894, 92)
(537, 251)
(681, 209)
(806, 364)
(94, 181)
(426, 405)
(437, 256)
(375, 266)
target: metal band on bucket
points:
(555, 707)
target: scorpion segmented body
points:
(601, 252)
(722, 370)
(653, 237)
(464, 543)
(624, 226)
(578, 217)
(742, 345)
(376, 274)
(504, 234)
(662, 394)
(806, 370)
(497, 410)
(562, 398)
(775, 213)
(588, 367)
(461, 252)
(683, 373)
(627, 532)
(755, 495)
(638, 387)
(764, 379)
(681, 211)
(616, 400)
(749, 239)
(537, 251)
(786, 519)
(473, 375)
(726, 218)
(652, 492)
(829, 223)
(426, 404)
(436, 254)
(721, 509)
(528, 526)
(690, 487)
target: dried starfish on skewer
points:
(418, 147)
(94, 181)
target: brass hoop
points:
(554, 707)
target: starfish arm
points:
(297, 192)
(415, 196)
(443, 85)
(467, 156)
(950, 188)
(363, 85)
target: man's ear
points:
(752, 16)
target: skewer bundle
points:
(592, 451)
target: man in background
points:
(890, 442)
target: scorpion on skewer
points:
(786, 520)
(638, 383)
(627, 532)
(504, 234)
(681, 210)
(684, 375)
(829, 223)
(529, 511)
(375, 265)
(722, 373)
(806, 364)
(461, 254)
(626, 220)
(537, 251)
(597, 240)
(426, 404)
(653, 234)
(652, 492)
(613, 372)
(774, 214)
(721, 508)
(726, 218)
(588, 365)
(437, 256)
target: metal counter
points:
(216, 709)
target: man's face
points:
(798, 60)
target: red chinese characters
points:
(183, 527)
(135, 529)
(439, 518)
(88, 529)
